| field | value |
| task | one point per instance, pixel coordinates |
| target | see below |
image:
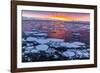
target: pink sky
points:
(64, 16)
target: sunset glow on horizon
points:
(63, 16)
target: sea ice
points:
(42, 47)
(69, 54)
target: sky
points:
(63, 16)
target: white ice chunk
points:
(86, 54)
(23, 40)
(69, 45)
(27, 52)
(85, 27)
(69, 54)
(79, 54)
(42, 41)
(50, 50)
(55, 56)
(64, 44)
(34, 51)
(41, 34)
(29, 48)
(42, 47)
(31, 39)
(78, 43)
(73, 46)
(56, 40)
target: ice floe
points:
(42, 47)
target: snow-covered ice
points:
(72, 46)
(69, 54)
(27, 52)
(40, 34)
(29, 48)
(56, 40)
(42, 41)
(50, 50)
(34, 51)
(42, 47)
(78, 43)
(79, 54)
(31, 39)
(37, 45)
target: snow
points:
(85, 27)
(54, 44)
(78, 43)
(69, 45)
(24, 47)
(88, 50)
(85, 50)
(50, 46)
(42, 41)
(34, 51)
(79, 54)
(82, 54)
(28, 33)
(23, 40)
(55, 56)
(72, 46)
(50, 50)
(42, 47)
(29, 48)
(28, 45)
(34, 29)
(64, 44)
(86, 54)
(40, 34)
(31, 39)
(77, 34)
(69, 54)
(56, 40)
(27, 52)
(29, 59)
